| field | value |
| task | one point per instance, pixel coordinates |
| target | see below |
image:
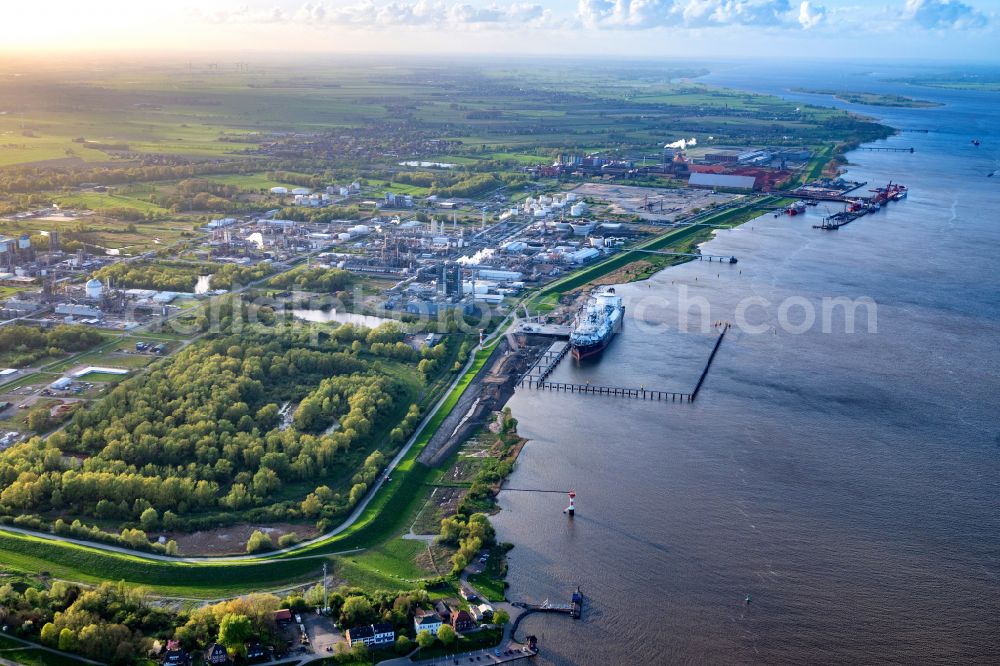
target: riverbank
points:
(872, 99)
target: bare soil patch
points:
(232, 539)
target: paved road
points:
(475, 658)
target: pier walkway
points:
(641, 393)
(886, 149)
(544, 366)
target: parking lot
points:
(322, 632)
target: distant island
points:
(967, 83)
(871, 99)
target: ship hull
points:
(589, 351)
(593, 350)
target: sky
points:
(947, 30)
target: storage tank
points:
(94, 288)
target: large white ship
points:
(597, 323)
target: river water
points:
(848, 482)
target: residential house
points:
(255, 651)
(283, 616)
(384, 634)
(444, 611)
(461, 621)
(424, 620)
(372, 634)
(482, 612)
(486, 611)
(216, 655)
(362, 634)
(175, 655)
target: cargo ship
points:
(598, 322)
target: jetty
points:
(886, 149)
(537, 377)
(695, 255)
(711, 357)
(574, 609)
(545, 364)
(641, 393)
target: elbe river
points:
(848, 482)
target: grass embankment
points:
(30, 655)
(387, 515)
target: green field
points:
(252, 182)
(98, 200)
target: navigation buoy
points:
(571, 509)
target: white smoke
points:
(682, 144)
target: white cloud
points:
(625, 14)
(398, 13)
(944, 14)
(643, 14)
(809, 16)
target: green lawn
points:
(32, 656)
(98, 200)
(250, 181)
(102, 377)
(476, 640)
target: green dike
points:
(389, 512)
(382, 519)
(730, 217)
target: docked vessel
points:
(796, 208)
(597, 323)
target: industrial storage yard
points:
(653, 203)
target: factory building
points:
(722, 180)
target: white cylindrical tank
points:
(94, 288)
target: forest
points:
(22, 345)
(200, 440)
(180, 276)
(306, 278)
